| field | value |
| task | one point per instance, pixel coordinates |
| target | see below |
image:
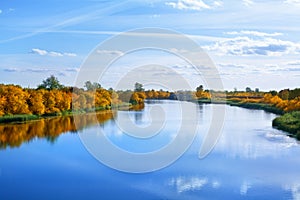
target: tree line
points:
(52, 97)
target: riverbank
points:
(21, 118)
(248, 105)
(288, 122)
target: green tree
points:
(284, 94)
(92, 86)
(199, 88)
(50, 84)
(273, 92)
(248, 89)
(138, 87)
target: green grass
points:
(18, 118)
(289, 122)
(258, 106)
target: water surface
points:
(47, 160)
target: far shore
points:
(288, 122)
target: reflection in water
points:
(245, 187)
(13, 135)
(249, 134)
(294, 189)
(185, 184)
(138, 116)
(251, 160)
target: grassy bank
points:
(18, 118)
(29, 117)
(257, 106)
(289, 122)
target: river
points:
(46, 159)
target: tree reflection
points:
(13, 135)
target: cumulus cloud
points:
(248, 46)
(293, 2)
(70, 54)
(254, 33)
(111, 52)
(43, 52)
(294, 63)
(248, 2)
(193, 4)
(39, 52)
(218, 3)
(55, 54)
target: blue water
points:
(250, 161)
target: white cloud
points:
(43, 52)
(248, 2)
(41, 70)
(111, 52)
(189, 5)
(11, 69)
(218, 3)
(247, 46)
(72, 69)
(70, 54)
(294, 63)
(55, 54)
(39, 52)
(293, 2)
(0, 11)
(216, 184)
(232, 66)
(254, 33)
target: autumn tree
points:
(284, 94)
(2, 103)
(16, 100)
(36, 102)
(137, 98)
(49, 102)
(201, 94)
(102, 98)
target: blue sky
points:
(252, 43)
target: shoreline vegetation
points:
(51, 99)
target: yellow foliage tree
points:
(35, 102)
(16, 100)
